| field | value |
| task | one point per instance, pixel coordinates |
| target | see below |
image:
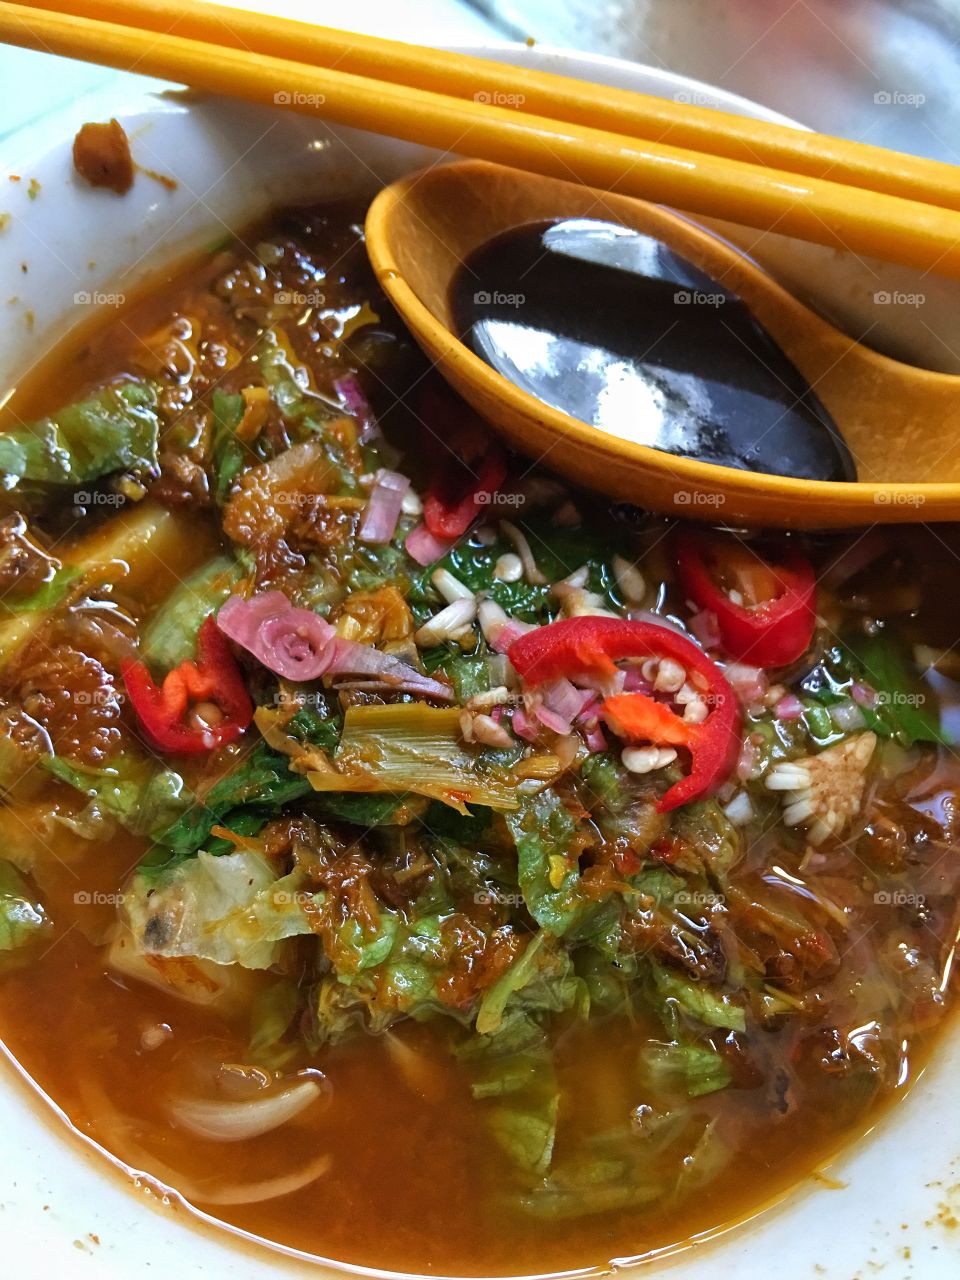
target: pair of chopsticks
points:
(827, 190)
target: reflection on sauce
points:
(617, 330)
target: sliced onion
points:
(595, 739)
(363, 660)
(383, 507)
(634, 682)
(295, 643)
(789, 708)
(237, 1121)
(590, 709)
(523, 726)
(847, 716)
(563, 698)
(860, 553)
(424, 547)
(704, 627)
(255, 1192)
(747, 762)
(748, 683)
(557, 723)
(658, 620)
(864, 696)
(511, 630)
(351, 396)
(300, 645)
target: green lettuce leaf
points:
(142, 797)
(231, 909)
(229, 455)
(114, 429)
(22, 918)
(171, 634)
(712, 1008)
(543, 828)
(693, 1068)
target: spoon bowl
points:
(901, 424)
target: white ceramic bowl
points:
(59, 253)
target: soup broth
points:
(503, 883)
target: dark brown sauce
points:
(617, 330)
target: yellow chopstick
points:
(638, 116)
(918, 235)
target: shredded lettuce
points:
(550, 880)
(231, 909)
(22, 918)
(712, 1008)
(695, 1069)
(246, 798)
(141, 796)
(115, 429)
(171, 634)
(229, 455)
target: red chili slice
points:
(774, 625)
(591, 646)
(472, 469)
(212, 677)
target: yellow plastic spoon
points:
(901, 424)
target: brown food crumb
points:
(165, 181)
(101, 155)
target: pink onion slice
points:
(300, 645)
(789, 707)
(351, 396)
(383, 507)
(564, 699)
(424, 547)
(295, 643)
(552, 720)
(523, 726)
(352, 658)
(706, 629)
